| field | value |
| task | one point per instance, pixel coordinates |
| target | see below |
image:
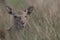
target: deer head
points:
(20, 17)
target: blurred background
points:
(43, 23)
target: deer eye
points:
(25, 16)
(15, 16)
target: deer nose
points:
(22, 23)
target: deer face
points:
(20, 17)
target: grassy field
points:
(43, 23)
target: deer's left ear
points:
(9, 9)
(30, 10)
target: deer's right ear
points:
(30, 10)
(9, 9)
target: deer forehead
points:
(21, 13)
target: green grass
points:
(18, 3)
(44, 23)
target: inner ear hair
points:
(30, 9)
(9, 9)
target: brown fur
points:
(20, 17)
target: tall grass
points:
(43, 23)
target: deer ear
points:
(30, 10)
(9, 9)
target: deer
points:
(20, 17)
